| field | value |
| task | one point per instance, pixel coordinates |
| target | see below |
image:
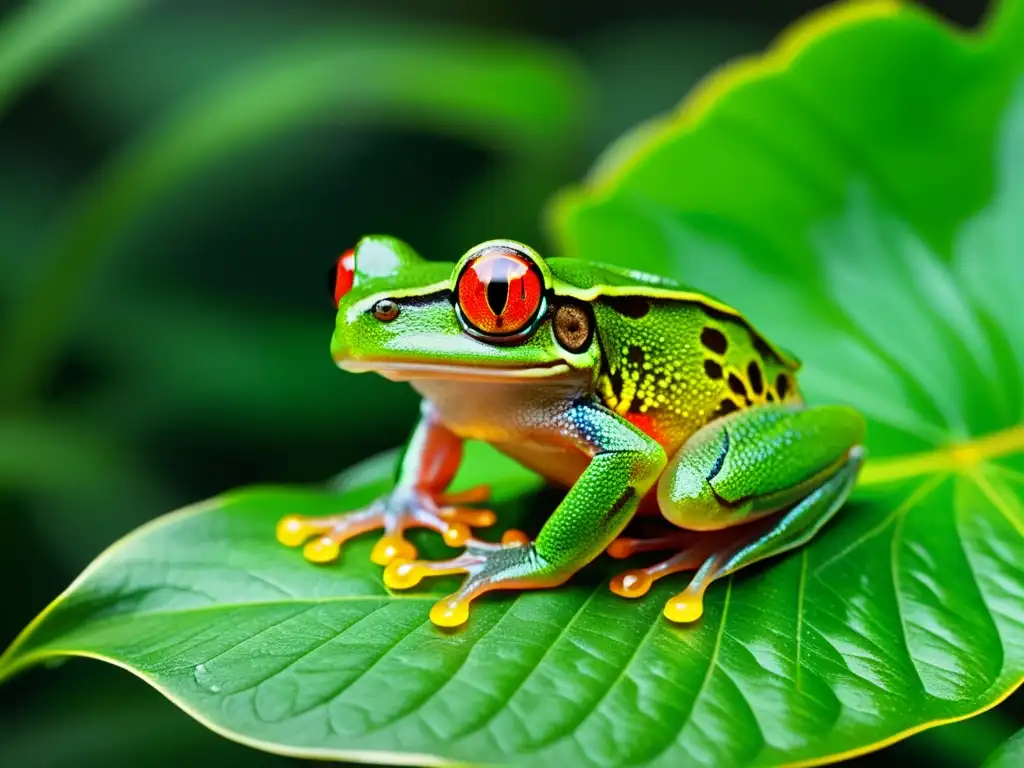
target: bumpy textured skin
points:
(625, 464)
(673, 384)
(676, 368)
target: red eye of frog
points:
(339, 278)
(499, 292)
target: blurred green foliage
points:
(175, 178)
(1009, 753)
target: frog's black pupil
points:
(332, 280)
(497, 295)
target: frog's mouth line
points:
(403, 371)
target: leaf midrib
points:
(961, 457)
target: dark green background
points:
(197, 359)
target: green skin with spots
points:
(637, 393)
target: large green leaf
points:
(857, 191)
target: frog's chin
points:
(410, 371)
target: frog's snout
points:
(340, 351)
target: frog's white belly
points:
(518, 419)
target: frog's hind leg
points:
(405, 509)
(767, 538)
(720, 553)
(758, 483)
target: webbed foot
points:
(692, 549)
(698, 550)
(511, 565)
(404, 508)
(716, 554)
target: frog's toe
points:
(455, 524)
(487, 567)
(631, 584)
(390, 547)
(475, 518)
(711, 555)
(624, 547)
(685, 607)
(513, 537)
(453, 611)
(403, 573)
(323, 549)
(293, 530)
(474, 495)
(323, 536)
(637, 582)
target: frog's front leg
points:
(428, 465)
(624, 465)
(759, 482)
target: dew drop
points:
(204, 679)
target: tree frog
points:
(638, 394)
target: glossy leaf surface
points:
(885, 252)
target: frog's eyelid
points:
(520, 249)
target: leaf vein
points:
(801, 587)
(712, 664)
(421, 701)
(307, 653)
(533, 668)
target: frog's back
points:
(673, 358)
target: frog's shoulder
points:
(590, 281)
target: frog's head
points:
(493, 314)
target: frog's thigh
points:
(801, 464)
(755, 462)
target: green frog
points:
(643, 397)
